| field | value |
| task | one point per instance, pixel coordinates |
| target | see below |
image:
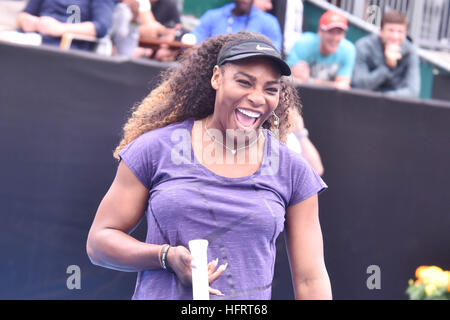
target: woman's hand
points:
(180, 261)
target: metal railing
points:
(429, 20)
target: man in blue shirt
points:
(53, 18)
(325, 58)
(237, 16)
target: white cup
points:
(200, 283)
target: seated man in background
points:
(325, 58)
(166, 12)
(387, 62)
(150, 19)
(237, 16)
(53, 18)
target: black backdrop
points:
(386, 163)
(441, 85)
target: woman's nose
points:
(256, 98)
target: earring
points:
(276, 122)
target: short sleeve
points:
(137, 157)
(272, 30)
(102, 12)
(203, 29)
(305, 183)
(349, 57)
(302, 48)
(33, 7)
(295, 55)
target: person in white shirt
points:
(293, 23)
(298, 141)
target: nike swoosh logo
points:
(258, 47)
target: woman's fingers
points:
(215, 292)
(212, 266)
(182, 263)
(216, 274)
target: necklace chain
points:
(233, 151)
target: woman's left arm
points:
(305, 250)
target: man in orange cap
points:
(326, 57)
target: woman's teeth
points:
(250, 114)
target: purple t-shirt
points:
(240, 217)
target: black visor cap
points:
(253, 48)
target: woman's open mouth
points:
(245, 118)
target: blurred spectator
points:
(237, 16)
(166, 12)
(264, 5)
(292, 10)
(388, 62)
(129, 19)
(135, 19)
(326, 57)
(53, 18)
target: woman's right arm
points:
(109, 244)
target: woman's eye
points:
(272, 90)
(244, 82)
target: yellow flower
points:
(432, 275)
(448, 281)
(420, 270)
(430, 289)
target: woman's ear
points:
(215, 79)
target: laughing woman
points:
(202, 157)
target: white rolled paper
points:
(200, 283)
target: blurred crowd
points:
(385, 62)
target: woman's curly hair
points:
(185, 92)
